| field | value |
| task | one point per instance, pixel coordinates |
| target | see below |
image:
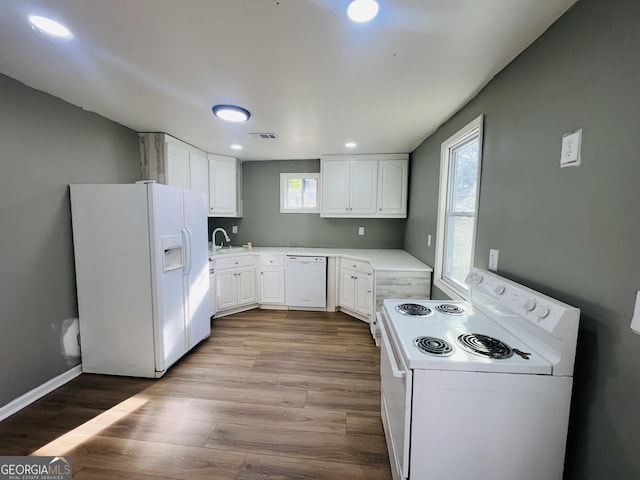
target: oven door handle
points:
(393, 362)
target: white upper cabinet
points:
(199, 171)
(364, 185)
(335, 187)
(187, 167)
(225, 186)
(177, 165)
(393, 178)
(172, 162)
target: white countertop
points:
(380, 258)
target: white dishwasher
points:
(306, 282)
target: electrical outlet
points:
(361, 231)
(234, 229)
(570, 153)
(428, 240)
(493, 259)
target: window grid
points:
(299, 193)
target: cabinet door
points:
(222, 185)
(347, 289)
(198, 171)
(392, 188)
(212, 293)
(177, 165)
(246, 278)
(363, 294)
(363, 186)
(335, 187)
(272, 285)
(226, 289)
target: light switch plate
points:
(234, 229)
(570, 154)
(493, 259)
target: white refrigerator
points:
(142, 275)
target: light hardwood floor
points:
(270, 395)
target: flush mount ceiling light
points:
(351, 144)
(231, 113)
(362, 11)
(235, 146)
(48, 26)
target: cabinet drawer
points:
(357, 265)
(235, 262)
(272, 260)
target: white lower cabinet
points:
(272, 285)
(356, 288)
(249, 280)
(271, 280)
(235, 281)
(212, 290)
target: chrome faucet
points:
(213, 238)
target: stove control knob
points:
(529, 305)
(499, 290)
(474, 278)
(541, 311)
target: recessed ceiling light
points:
(231, 113)
(49, 26)
(235, 146)
(362, 11)
(351, 144)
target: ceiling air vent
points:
(264, 136)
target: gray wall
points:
(264, 226)
(45, 144)
(573, 233)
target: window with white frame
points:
(299, 193)
(460, 162)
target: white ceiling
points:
(301, 67)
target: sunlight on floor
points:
(66, 443)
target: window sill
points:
(448, 290)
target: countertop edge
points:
(380, 259)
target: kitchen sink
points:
(227, 249)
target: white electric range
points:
(478, 389)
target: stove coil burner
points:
(485, 346)
(413, 310)
(450, 309)
(433, 346)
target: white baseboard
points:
(39, 392)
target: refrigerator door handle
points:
(186, 239)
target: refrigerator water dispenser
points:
(171, 252)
